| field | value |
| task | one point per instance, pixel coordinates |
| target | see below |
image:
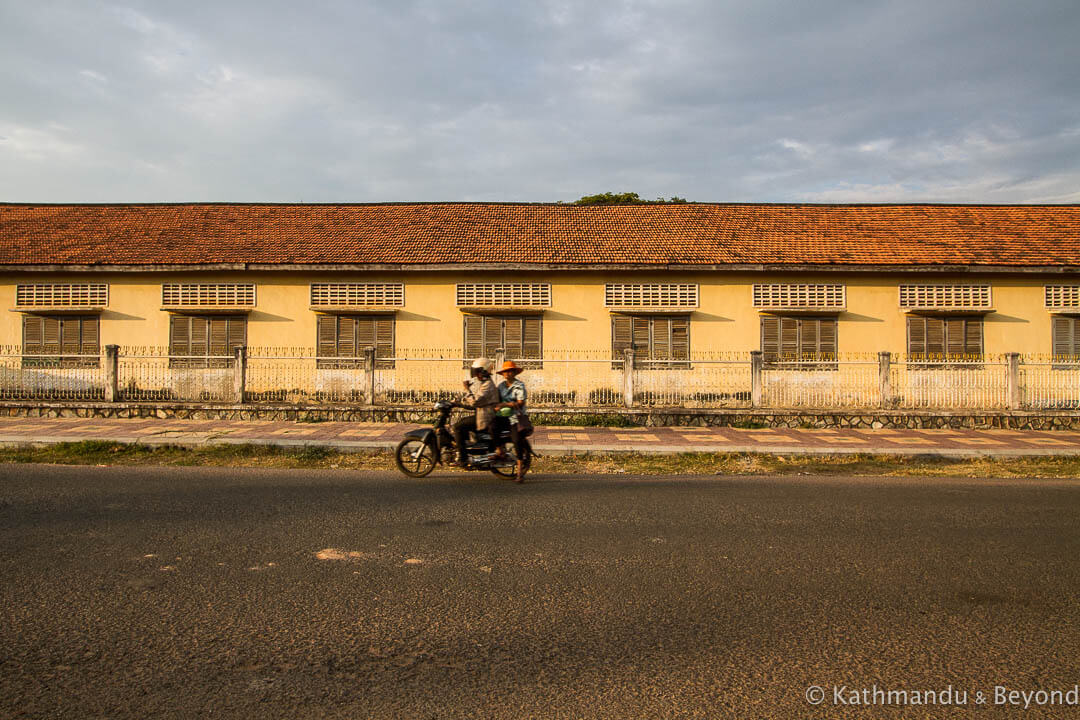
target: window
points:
(194, 337)
(651, 295)
(780, 295)
(347, 336)
(945, 296)
(208, 294)
(74, 295)
(504, 294)
(790, 338)
(357, 294)
(1066, 338)
(520, 337)
(945, 338)
(59, 340)
(653, 338)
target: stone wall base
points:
(644, 417)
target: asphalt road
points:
(249, 593)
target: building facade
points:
(673, 282)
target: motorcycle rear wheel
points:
(414, 457)
(510, 471)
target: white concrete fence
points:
(570, 379)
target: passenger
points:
(512, 394)
(480, 393)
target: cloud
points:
(424, 100)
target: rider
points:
(480, 393)
(512, 394)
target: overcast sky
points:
(540, 100)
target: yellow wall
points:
(577, 319)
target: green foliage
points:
(626, 198)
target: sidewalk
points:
(551, 440)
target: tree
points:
(626, 198)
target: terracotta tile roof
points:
(436, 233)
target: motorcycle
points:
(421, 450)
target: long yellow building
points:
(670, 281)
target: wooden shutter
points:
(789, 338)
(808, 338)
(827, 338)
(179, 335)
(365, 335)
(680, 338)
(219, 336)
(237, 333)
(513, 337)
(69, 335)
(973, 337)
(493, 335)
(955, 344)
(661, 338)
(474, 336)
(327, 335)
(384, 337)
(642, 336)
(200, 336)
(50, 335)
(532, 337)
(33, 335)
(916, 336)
(1066, 343)
(90, 341)
(621, 335)
(935, 337)
(770, 338)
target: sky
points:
(540, 101)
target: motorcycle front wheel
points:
(414, 457)
(510, 471)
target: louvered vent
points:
(504, 295)
(357, 294)
(78, 295)
(945, 296)
(793, 296)
(197, 295)
(1063, 296)
(651, 295)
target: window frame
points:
(649, 361)
(817, 359)
(384, 352)
(87, 354)
(488, 346)
(961, 359)
(1068, 360)
(192, 360)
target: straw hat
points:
(509, 366)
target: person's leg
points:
(519, 452)
(461, 434)
(501, 425)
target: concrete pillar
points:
(756, 386)
(369, 368)
(1012, 381)
(628, 377)
(885, 378)
(239, 374)
(112, 373)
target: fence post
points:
(628, 377)
(112, 373)
(885, 378)
(1012, 380)
(369, 368)
(755, 378)
(239, 374)
(500, 358)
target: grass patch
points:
(94, 452)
